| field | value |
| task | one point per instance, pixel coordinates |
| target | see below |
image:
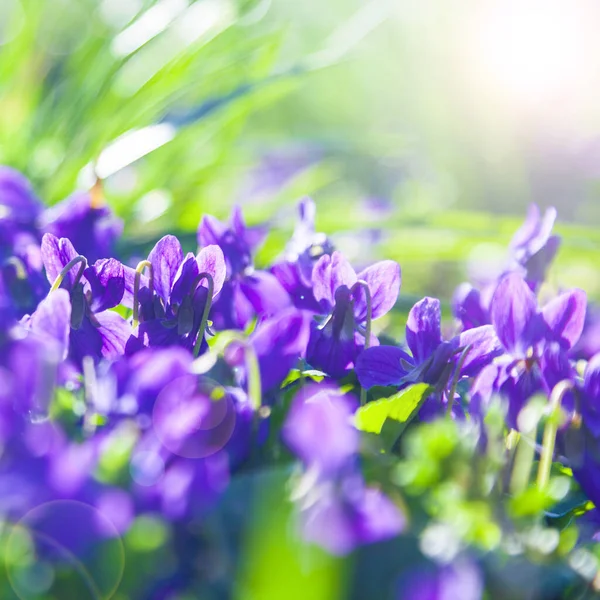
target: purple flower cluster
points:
(179, 366)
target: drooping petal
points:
(186, 279)
(514, 314)
(565, 316)
(114, 331)
(423, 328)
(382, 365)
(56, 254)
(53, 318)
(107, 281)
(484, 347)
(330, 273)
(383, 279)
(165, 257)
(211, 261)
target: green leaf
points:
(399, 408)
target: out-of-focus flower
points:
(294, 270)
(92, 227)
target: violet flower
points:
(432, 360)
(535, 343)
(247, 293)
(95, 330)
(294, 270)
(338, 511)
(171, 303)
(531, 251)
(336, 342)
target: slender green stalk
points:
(252, 366)
(81, 261)
(365, 287)
(204, 321)
(19, 266)
(459, 366)
(144, 264)
(550, 430)
(524, 455)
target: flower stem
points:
(81, 261)
(365, 286)
(204, 321)
(18, 265)
(144, 264)
(550, 430)
(227, 338)
(459, 366)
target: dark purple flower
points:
(171, 305)
(247, 293)
(91, 226)
(237, 241)
(432, 360)
(533, 341)
(95, 330)
(336, 342)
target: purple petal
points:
(381, 365)
(279, 342)
(210, 231)
(18, 197)
(211, 261)
(186, 279)
(467, 305)
(529, 228)
(264, 293)
(383, 279)
(565, 316)
(317, 413)
(165, 257)
(107, 280)
(252, 236)
(514, 314)
(115, 332)
(56, 254)
(329, 273)
(53, 318)
(485, 346)
(423, 328)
